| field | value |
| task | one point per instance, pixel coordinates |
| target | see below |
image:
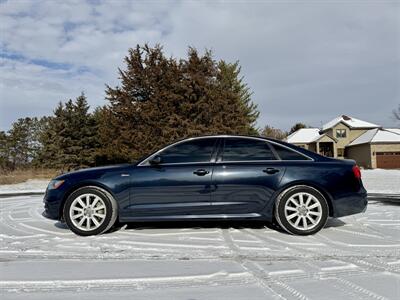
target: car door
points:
(246, 175)
(179, 185)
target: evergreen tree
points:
(4, 153)
(70, 137)
(162, 99)
(22, 143)
(296, 127)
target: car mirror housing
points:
(156, 160)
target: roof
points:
(304, 136)
(378, 135)
(349, 121)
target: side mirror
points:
(156, 160)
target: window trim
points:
(218, 150)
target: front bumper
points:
(52, 204)
(351, 204)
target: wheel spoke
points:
(301, 199)
(314, 205)
(291, 208)
(296, 203)
(77, 216)
(311, 220)
(88, 223)
(297, 221)
(81, 202)
(95, 222)
(77, 209)
(314, 213)
(102, 216)
(99, 207)
(304, 222)
(309, 198)
(96, 199)
(292, 216)
(81, 222)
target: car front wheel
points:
(90, 211)
(301, 210)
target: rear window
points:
(287, 154)
(242, 149)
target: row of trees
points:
(159, 100)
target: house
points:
(347, 137)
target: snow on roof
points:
(303, 136)
(349, 121)
(395, 130)
(378, 135)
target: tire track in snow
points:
(279, 289)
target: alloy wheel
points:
(87, 212)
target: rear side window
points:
(242, 149)
(199, 150)
(287, 154)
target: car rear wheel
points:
(90, 211)
(301, 210)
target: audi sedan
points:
(211, 178)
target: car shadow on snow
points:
(222, 224)
(236, 224)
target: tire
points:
(90, 211)
(301, 210)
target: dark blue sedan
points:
(211, 178)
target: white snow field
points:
(356, 257)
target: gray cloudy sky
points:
(305, 61)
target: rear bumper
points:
(350, 204)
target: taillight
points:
(356, 172)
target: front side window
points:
(340, 133)
(198, 150)
(241, 149)
(287, 154)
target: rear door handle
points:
(201, 172)
(271, 170)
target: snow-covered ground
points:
(356, 257)
(381, 181)
(30, 186)
(375, 181)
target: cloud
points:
(305, 61)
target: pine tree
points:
(296, 127)
(162, 99)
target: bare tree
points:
(396, 113)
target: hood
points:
(94, 170)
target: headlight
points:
(55, 184)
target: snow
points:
(377, 135)
(356, 257)
(381, 181)
(30, 186)
(349, 121)
(303, 135)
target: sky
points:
(305, 61)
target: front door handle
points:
(271, 170)
(201, 172)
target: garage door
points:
(388, 160)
